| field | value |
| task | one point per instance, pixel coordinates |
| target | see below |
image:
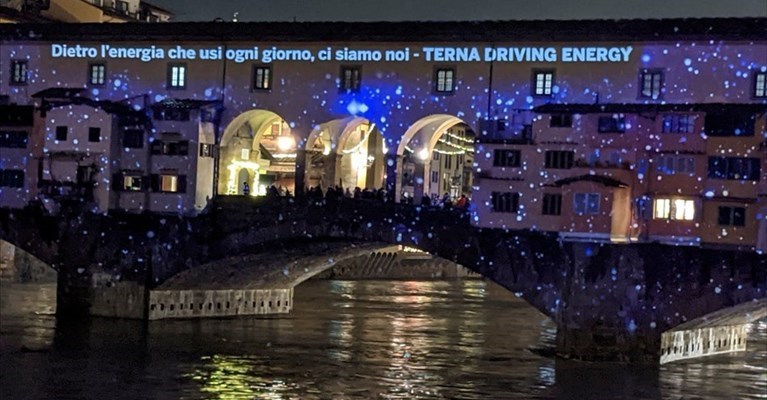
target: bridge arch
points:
(348, 152)
(435, 156)
(257, 148)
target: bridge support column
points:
(602, 344)
(700, 342)
(73, 291)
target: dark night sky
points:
(392, 10)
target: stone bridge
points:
(609, 301)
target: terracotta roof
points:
(411, 31)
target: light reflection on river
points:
(345, 340)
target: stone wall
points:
(16, 265)
(218, 303)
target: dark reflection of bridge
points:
(609, 301)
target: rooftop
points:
(748, 29)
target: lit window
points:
(19, 70)
(176, 76)
(760, 84)
(350, 79)
(97, 74)
(132, 183)
(651, 81)
(543, 81)
(677, 209)
(586, 203)
(445, 80)
(262, 78)
(168, 183)
(245, 154)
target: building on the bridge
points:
(81, 11)
(657, 134)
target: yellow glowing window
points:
(245, 154)
(677, 209)
(168, 183)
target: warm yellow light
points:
(285, 143)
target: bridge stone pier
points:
(609, 301)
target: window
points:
(207, 150)
(169, 183)
(19, 69)
(676, 209)
(552, 204)
(734, 168)
(122, 5)
(561, 121)
(245, 154)
(506, 158)
(11, 178)
(176, 76)
(650, 83)
(543, 80)
(61, 133)
(613, 124)
(760, 84)
(732, 216)
(350, 79)
(170, 147)
(559, 159)
(445, 80)
(435, 156)
(13, 139)
(676, 165)
(133, 139)
(94, 134)
(434, 176)
(505, 202)
(262, 77)
(448, 161)
(133, 183)
(586, 203)
(97, 74)
(678, 123)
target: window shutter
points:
(183, 148)
(155, 182)
(181, 184)
(117, 181)
(157, 147)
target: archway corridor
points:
(258, 153)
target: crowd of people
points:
(334, 193)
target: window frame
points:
(125, 136)
(534, 82)
(755, 86)
(670, 210)
(169, 77)
(618, 129)
(254, 83)
(513, 202)
(643, 72)
(551, 204)
(445, 90)
(731, 213)
(561, 118)
(93, 65)
(587, 196)
(562, 162)
(59, 130)
(356, 85)
(516, 158)
(19, 80)
(91, 130)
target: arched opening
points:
(434, 161)
(345, 152)
(258, 150)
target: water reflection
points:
(346, 340)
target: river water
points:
(344, 340)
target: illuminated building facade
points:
(598, 130)
(81, 11)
